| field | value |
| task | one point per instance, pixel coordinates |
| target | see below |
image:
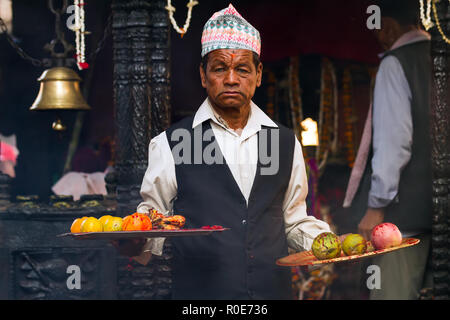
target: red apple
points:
(386, 235)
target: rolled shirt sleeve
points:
(158, 189)
(392, 132)
(301, 229)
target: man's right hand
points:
(129, 247)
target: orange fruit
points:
(113, 224)
(91, 224)
(104, 219)
(76, 225)
(137, 222)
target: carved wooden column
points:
(160, 65)
(440, 152)
(132, 98)
(141, 99)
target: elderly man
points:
(264, 206)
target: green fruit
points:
(326, 246)
(354, 244)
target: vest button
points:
(244, 222)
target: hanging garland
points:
(295, 98)
(314, 285)
(171, 10)
(349, 118)
(438, 24)
(426, 19)
(328, 115)
(80, 32)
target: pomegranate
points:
(386, 235)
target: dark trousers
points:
(404, 272)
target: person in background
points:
(90, 165)
(391, 180)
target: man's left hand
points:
(372, 218)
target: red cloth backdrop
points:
(336, 29)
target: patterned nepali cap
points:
(226, 29)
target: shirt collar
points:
(408, 38)
(256, 119)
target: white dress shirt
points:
(240, 150)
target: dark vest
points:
(411, 210)
(238, 263)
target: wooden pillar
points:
(440, 153)
(141, 90)
(141, 82)
(160, 65)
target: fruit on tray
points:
(354, 244)
(105, 219)
(326, 246)
(133, 222)
(76, 225)
(91, 224)
(370, 247)
(113, 224)
(137, 222)
(386, 235)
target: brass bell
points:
(57, 125)
(59, 90)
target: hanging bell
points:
(57, 125)
(59, 90)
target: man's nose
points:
(231, 78)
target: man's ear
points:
(202, 76)
(259, 74)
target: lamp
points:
(309, 134)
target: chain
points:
(19, 50)
(39, 63)
(102, 41)
(59, 32)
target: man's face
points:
(231, 77)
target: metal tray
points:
(156, 233)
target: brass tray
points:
(307, 258)
(156, 233)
